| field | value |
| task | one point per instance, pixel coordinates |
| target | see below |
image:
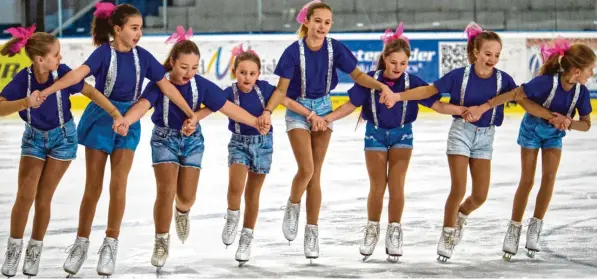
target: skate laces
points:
(290, 215)
(231, 223)
(182, 222)
(245, 241)
(11, 254)
(394, 235)
(160, 247)
(109, 254)
(311, 238)
(371, 233)
(448, 239)
(32, 254)
(534, 228)
(76, 251)
(514, 233)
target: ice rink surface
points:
(569, 236)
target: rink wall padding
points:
(433, 54)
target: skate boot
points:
(460, 222)
(533, 234)
(14, 249)
(32, 257)
(511, 240)
(244, 246)
(291, 220)
(183, 225)
(107, 258)
(311, 242)
(445, 246)
(161, 247)
(370, 239)
(77, 253)
(394, 242)
(229, 231)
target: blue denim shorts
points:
(255, 152)
(380, 139)
(535, 133)
(59, 143)
(171, 146)
(322, 107)
(469, 140)
(95, 129)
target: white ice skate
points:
(161, 248)
(445, 246)
(533, 235)
(511, 240)
(107, 258)
(229, 231)
(14, 249)
(369, 239)
(77, 253)
(32, 257)
(243, 253)
(394, 242)
(291, 220)
(183, 225)
(460, 222)
(311, 244)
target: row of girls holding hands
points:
(307, 71)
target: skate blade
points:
(241, 263)
(365, 257)
(393, 259)
(507, 256)
(531, 253)
(442, 259)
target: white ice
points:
(569, 236)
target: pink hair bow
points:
(472, 30)
(389, 36)
(180, 35)
(302, 15)
(104, 9)
(21, 33)
(239, 49)
(559, 46)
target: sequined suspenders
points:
(404, 103)
(304, 67)
(467, 73)
(112, 73)
(237, 102)
(58, 97)
(166, 105)
(547, 102)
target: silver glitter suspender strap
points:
(373, 102)
(59, 101)
(405, 103)
(499, 88)
(552, 93)
(574, 100)
(29, 93)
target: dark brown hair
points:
(103, 28)
(184, 47)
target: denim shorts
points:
(95, 129)
(255, 152)
(322, 107)
(171, 146)
(469, 140)
(59, 143)
(537, 133)
(380, 139)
